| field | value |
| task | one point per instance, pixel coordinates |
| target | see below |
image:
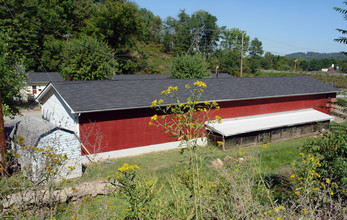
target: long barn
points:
(111, 117)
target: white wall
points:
(56, 112)
(65, 142)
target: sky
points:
(283, 26)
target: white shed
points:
(43, 143)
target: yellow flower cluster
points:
(169, 90)
(218, 119)
(200, 84)
(220, 143)
(126, 167)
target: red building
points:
(111, 117)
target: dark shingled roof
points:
(44, 77)
(32, 128)
(92, 96)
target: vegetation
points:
(12, 77)
(339, 81)
(188, 66)
(48, 34)
(84, 63)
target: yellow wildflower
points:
(154, 103)
(200, 84)
(219, 119)
(154, 117)
(220, 143)
(327, 180)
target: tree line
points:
(90, 39)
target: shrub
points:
(187, 66)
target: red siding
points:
(124, 129)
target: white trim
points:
(46, 90)
(138, 150)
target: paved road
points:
(34, 113)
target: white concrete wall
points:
(137, 151)
(62, 142)
(56, 112)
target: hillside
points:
(314, 55)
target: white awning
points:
(241, 125)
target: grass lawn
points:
(273, 159)
(161, 166)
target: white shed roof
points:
(241, 125)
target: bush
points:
(189, 67)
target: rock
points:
(217, 164)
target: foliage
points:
(152, 26)
(85, 63)
(186, 121)
(342, 31)
(187, 66)
(314, 190)
(138, 194)
(117, 22)
(12, 77)
(338, 107)
(232, 40)
(255, 53)
(33, 192)
(332, 148)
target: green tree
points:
(34, 25)
(183, 36)
(255, 53)
(118, 22)
(89, 59)
(342, 31)
(208, 31)
(152, 26)
(12, 77)
(187, 66)
(232, 39)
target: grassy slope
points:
(158, 62)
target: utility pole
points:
(243, 33)
(295, 64)
(2, 142)
(67, 42)
(196, 41)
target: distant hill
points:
(318, 56)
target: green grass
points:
(164, 163)
(157, 61)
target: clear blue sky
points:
(283, 26)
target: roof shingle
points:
(90, 96)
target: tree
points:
(152, 26)
(187, 66)
(183, 36)
(208, 31)
(12, 77)
(89, 59)
(118, 22)
(232, 40)
(255, 53)
(342, 31)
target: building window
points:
(34, 90)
